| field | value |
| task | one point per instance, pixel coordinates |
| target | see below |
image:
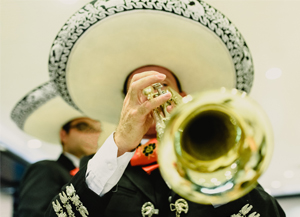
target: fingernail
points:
(160, 76)
(167, 95)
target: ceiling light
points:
(289, 174)
(276, 184)
(273, 73)
(34, 143)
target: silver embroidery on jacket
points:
(148, 210)
(65, 198)
(180, 205)
(245, 210)
(65, 201)
(58, 209)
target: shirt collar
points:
(143, 141)
(75, 160)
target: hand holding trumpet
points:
(136, 117)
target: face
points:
(82, 138)
(170, 81)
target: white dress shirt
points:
(105, 169)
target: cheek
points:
(175, 88)
(92, 139)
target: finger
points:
(147, 81)
(143, 74)
(138, 76)
(149, 105)
(170, 108)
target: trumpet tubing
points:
(214, 146)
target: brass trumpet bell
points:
(214, 147)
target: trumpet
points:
(213, 146)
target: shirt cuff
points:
(105, 169)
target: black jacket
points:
(41, 182)
(136, 187)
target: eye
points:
(85, 127)
(82, 126)
(165, 84)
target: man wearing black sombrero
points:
(43, 114)
(134, 44)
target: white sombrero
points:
(104, 41)
(42, 113)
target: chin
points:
(151, 133)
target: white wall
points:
(6, 202)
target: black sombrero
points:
(104, 41)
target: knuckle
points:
(133, 85)
(158, 101)
(134, 113)
(135, 77)
(142, 110)
(148, 106)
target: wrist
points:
(122, 144)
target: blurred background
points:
(271, 29)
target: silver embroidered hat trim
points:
(32, 101)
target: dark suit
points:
(136, 187)
(41, 182)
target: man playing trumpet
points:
(115, 188)
(135, 44)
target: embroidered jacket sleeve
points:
(77, 199)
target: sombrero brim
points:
(101, 44)
(42, 113)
